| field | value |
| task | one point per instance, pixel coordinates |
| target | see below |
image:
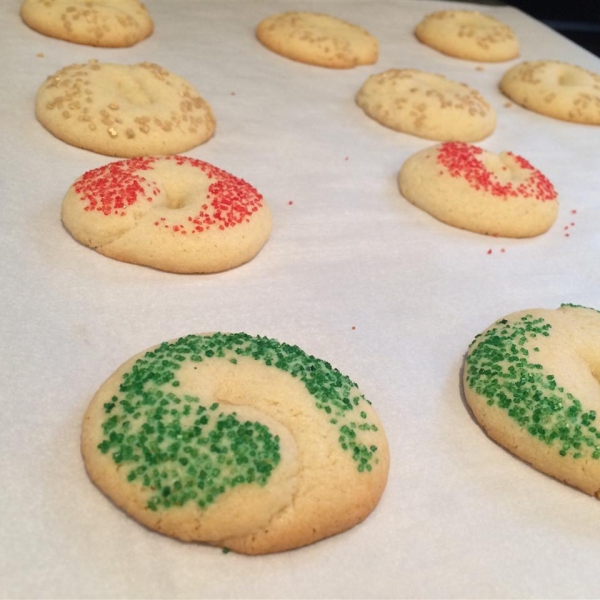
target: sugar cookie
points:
(468, 34)
(318, 39)
(124, 110)
(427, 105)
(236, 441)
(555, 89)
(108, 23)
(468, 187)
(531, 380)
(172, 213)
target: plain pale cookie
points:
(555, 89)
(108, 23)
(318, 39)
(236, 441)
(468, 34)
(172, 213)
(427, 105)
(531, 380)
(470, 188)
(124, 110)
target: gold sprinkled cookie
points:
(531, 382)
(427, 105)
(468, 34)
(555, 89)
(236, 441)
(318, 39)
(470, 188)
(172, 213)
(124, 110)
(108, 23)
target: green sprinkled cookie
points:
(237, 441)
(531, 380)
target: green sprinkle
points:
(186, 450)
(498, 369)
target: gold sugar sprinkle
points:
(40, 55)
(113, 106)
(112, 132)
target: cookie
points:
(470, 188)
(426, 105)
(531, 382)
(555, 89)
(172, 213)
(468, 34)
(124, 110)
(91, 22)
(318, 39)
(236, 441)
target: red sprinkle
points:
(291, 202)
(111, 189)
(573, 212)
(463, 160)
(489, 251)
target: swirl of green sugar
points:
(500, 368)
(185, 450)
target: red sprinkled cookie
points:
(470, 188)
(172, 213)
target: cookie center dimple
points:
(181, 189)
(571, 78)
(177, 197)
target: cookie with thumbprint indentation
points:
(236, 441)
(426, 105)
(318, 39)
(468, 34)
(172, 213)
(470, 188)
(124, 110)
(531, 380)
(108, 23)
(555, 89)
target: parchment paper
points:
(353, 274)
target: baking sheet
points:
(352, 273)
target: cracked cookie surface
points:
(236, 441)
(124, 110)
(173, 213)
(105, 23)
